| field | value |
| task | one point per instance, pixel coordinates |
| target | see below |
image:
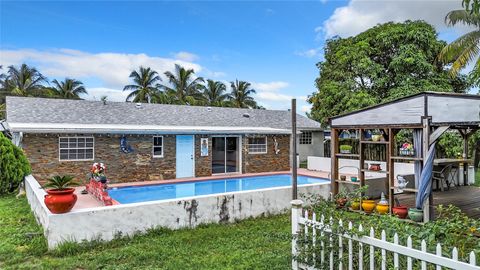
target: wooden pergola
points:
(432, 112)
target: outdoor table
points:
(456, 162)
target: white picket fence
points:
(311, 226)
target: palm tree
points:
(184, 88)
(465, 49)
(69, 88)
(214, 93)
(241, 95)
(145, 85)
(25, 81)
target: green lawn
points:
(262, 243)
(477, 178)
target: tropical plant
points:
(241, 95)
(184, 88)
(471, 6)
(214, 93)
(14, 165)
(385, 62)
(60, 182)
(69, 88)
(25, 81)
(465, 49)
(145, 85)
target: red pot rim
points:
(60, 191)
(400, 207)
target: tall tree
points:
(385, 62)
(465, 49)
(241, 95)
(215, 94)
(25, 81)
(145, 85)
(184, 88)
(69, 88)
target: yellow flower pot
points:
(368, 205)
(355, 205)
(382, 209)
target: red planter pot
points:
(60, 201)
(400, 211)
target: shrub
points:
(14, 165)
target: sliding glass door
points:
(225, 154)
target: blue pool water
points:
(181, 190)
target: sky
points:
(274, 45)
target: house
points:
(140, 142)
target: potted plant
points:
(345, 149)
(399, 210)
(415, 214)
(357, 195)
(368, 205)
(407, 149)
(341, 198)
(60, 197)
(382, 205)
(98, 172)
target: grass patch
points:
(477, 177)
(262, 243)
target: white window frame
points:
(85, 148)
(153, 146)
(257, 153)
(302, 142)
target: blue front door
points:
(185, 160)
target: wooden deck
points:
(467, 198)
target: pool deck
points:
(88, 201)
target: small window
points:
(158, 146)
(257, 145)
(306, 137)
(75, 148)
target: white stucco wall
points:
(314, 149)
(105, 222)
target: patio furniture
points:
(445, 176)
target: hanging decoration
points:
(124, 146)
(275, 145)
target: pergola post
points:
(334, 161)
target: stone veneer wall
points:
(203, 165)
(42, 152)
(269, 162)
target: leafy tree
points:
(184, 88)
(471, 6)
(25, 81)
(465, 49)
(14, 165)
(385, 62)
(69, 88)
(214, 93)
(240, 96)
(145, 85)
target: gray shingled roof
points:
(81, 112)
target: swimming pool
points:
(145, 193)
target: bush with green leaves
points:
(451, 228)
(14, 165)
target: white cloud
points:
(306, 108)
(270, 86)
(213, 74)
(112, 94)
(112, 69)
(359, 15)
(186, 56)
(316, 52)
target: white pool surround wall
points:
(128, 219)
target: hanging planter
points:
(407, 149)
